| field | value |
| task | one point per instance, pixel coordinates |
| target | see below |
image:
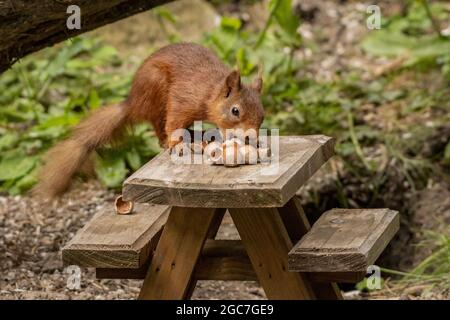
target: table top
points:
(163, 181)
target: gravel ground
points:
(32, 235)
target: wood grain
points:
(110, 240)
(267, 243)
(297, 225)
(176, 254)
(341, 277)
(162, 181)
(27, 26)
(212, 232)
(225, 260)
(344, 240)
(220, 260)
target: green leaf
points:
(105, 53)
(230, 23)
(345, 149)
(245, 66)
(111, 170)
(150, 147)
(165, 14)
(94, 99)
(25, 183)
(16, 166)
(59, 121)
(133, 159)
(8, 140)
(362, 285)
(385, 43)
(409, 36)
(286, 18)
(447, 152)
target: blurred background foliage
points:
(47, 93)
(384, 153)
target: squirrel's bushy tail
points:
(65, 159)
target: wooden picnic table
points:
(170, 239)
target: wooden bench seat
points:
(344, 240)
(172, 243)
(110, 240)
(338, 248)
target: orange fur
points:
(174, 87)
(65, 159)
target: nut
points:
(231, 156)
(213, 152)
(264, 155)
(198, 146)
(249, 154)
(123, 207)
(233, 141)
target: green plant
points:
(434, 270)
(291, 104)
(44, 95)
(414, 36)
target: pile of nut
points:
(231, 153)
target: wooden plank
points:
(294, 219)
(212, 232)
(123, 273)
(297, 225)
(342, 277)
(225, 269)
(212, 268)
(217, 221)
(225, 260)
(162, 181)
(176, 254)
(267, 243)
(344, 240)
(110, 240)
(233, 268)
(220, 260)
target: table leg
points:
(297, 225)
(213, 228)
(176, 254)
(267, 243)
(217, 220)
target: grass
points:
(433, 272)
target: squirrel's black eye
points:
(235, 111)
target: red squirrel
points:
(175, 86)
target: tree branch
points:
(27, 26)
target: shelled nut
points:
(249, 154)
(123, 207)
(231, 155)
(264, 155)
(213, 152)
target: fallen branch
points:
(27, 26)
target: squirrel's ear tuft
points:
(233, 82)
(257, 84)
